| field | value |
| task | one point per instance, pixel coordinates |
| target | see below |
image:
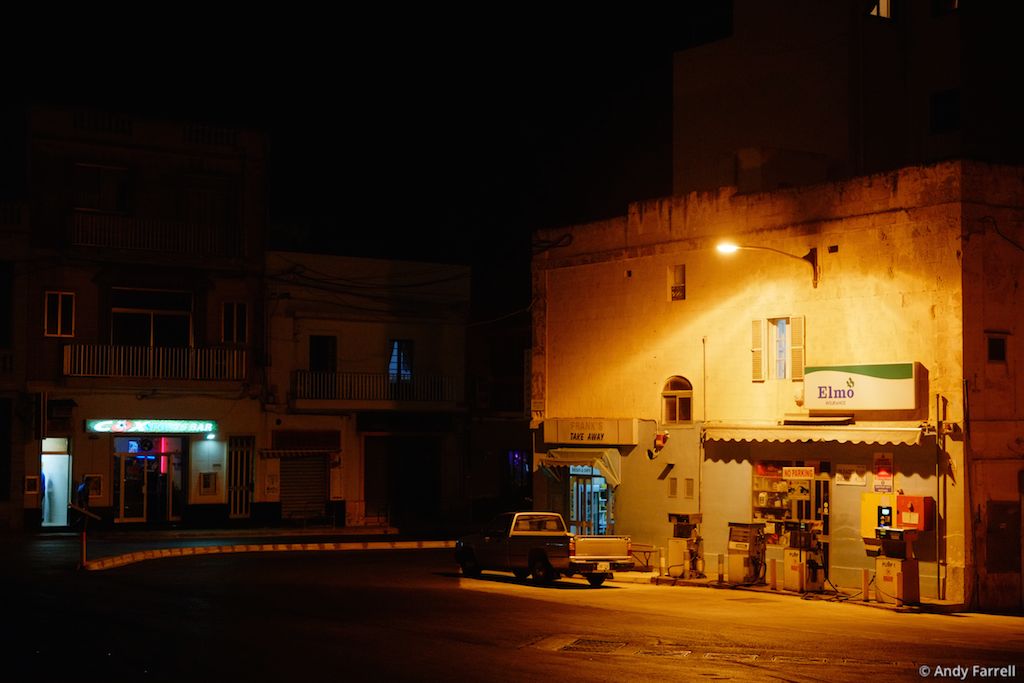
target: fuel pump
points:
(897, 521)
(684, 546)
(746, 552)
(804, 564)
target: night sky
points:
(406, 140)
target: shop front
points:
(579, 468)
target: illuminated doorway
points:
(589, 498)
(148, 479)
(55, 482)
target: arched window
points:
(677, 400)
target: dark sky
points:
(447, 140)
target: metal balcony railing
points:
(370, 386)
(114, 231)
(99, 360)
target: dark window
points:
(101, 188)
(941, 7)
(323, 353)
(156, 318)
(945, 111)
(60, 314)
(996, 349)
(6, 303)
(234, 323)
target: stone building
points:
(676, 380)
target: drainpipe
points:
(940, 448)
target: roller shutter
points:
(304, 487)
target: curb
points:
(131, 558)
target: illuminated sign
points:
(861, 387)
(144, 426)
(591, 431)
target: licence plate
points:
(603, 566)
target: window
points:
(777, 349)
(101, 188)
(400, 362)
(676, 401)
(60, 314)
(880, 8)
(323, 353)
(677, 283)
(673, 487)
(944, 111)
(996, 348)
(234, 321)
(145, 317)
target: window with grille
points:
(677, 283)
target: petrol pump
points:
(804, 564)
(889, 525)
(746, 552)
(684, 546)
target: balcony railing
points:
(99, 360)
(369, 386)
(114, 231)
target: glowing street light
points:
(810, 257)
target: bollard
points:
(864, 583)
(899, 588)
(773, 575)
(721, 569)
(662, 570)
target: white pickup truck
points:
(538, 544)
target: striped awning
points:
(607, 460)
(726, 431)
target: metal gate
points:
(240, 475)
(303, 487)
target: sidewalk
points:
(108, 549)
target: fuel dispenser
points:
(890, 525)
(746, 552)
(804, 564)
(684, 560)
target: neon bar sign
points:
(150, 426)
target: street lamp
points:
(810, 257)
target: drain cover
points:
(589, 645)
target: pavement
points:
(109, 549)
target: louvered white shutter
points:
(757, 350)
(796, 324)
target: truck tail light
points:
(629, 546)
(572, 545)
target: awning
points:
(723, 431)
(294, 452)
(607, 460)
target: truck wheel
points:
(520, 573)
(542, 571)
(470, 567)
(596, 580)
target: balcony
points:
(364, 387)
(147, 362)
(115, 231)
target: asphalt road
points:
(409, 616)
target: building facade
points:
(159, 364)
(857, 351)
(365, 412)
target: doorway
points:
(148, 479)
(55, 488)
(588, 500)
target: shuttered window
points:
(777, 348)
